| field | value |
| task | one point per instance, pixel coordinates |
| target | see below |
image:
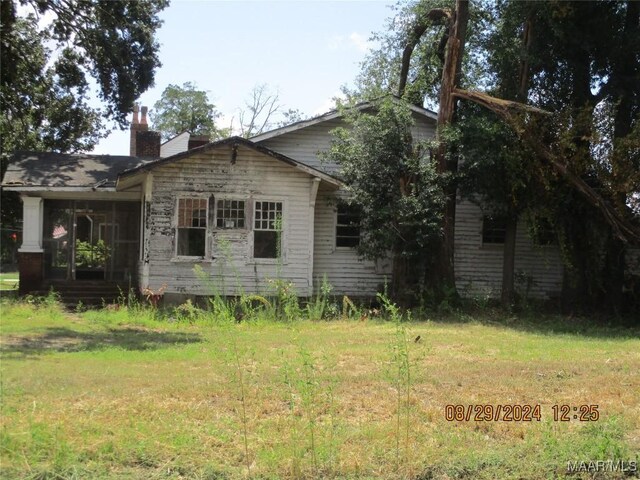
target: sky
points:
(304, 50)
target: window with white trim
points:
(267, 228)
(347, 226)
(230, 213)
(192, 227)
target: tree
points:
(292, 115)
(185, 109)
(579, 142)
(257, 115)
(47, 69)
(394, 185)
(577, 75)
(44, 92)
(424, 17)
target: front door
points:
(93, 245)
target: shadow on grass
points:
(68, 340)
(597, 327)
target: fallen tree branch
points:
(510, 112)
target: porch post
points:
(145, 231)
(313, 194)
(30, 253)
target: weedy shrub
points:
(349, 309)
(284, 300)
(128, 299)
(187, 311)
(240, 382)
(254, 307)
(290, 392)
(316, 309)
(400, 376)
(309, 389)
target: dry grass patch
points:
(162, 400)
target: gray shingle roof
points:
(49, 169)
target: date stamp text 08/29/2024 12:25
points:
(519, 413)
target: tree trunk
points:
(624, 75)
(508, 262)
(509, 254)
(444, 274)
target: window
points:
(266, 229)
(347, 226)
(192, 227)
(493, 230)
(230, 214)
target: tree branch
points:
(509, 112)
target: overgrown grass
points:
(136, 393)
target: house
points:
(243, 211)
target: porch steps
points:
(89, 293)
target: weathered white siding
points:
(305, 143)
(178, 144)
(478, 267)
(254, 176)
(348, 274)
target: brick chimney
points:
(143, 143)
(197, 141)
(148, 144)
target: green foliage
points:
(400, 375)
(185, 109)
(285, 299)
(92, 254)
(380, 70)
(44, 93)
(48, 68)
(393, 183)
(317, 306)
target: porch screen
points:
(192, 227)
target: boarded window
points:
(493, 230)
(267, 228)
(347, 226)
(230, 214)
(192, 227)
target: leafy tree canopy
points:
(54, 60)
(185, 109)
(53, 52)
(394, 185)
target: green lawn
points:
(118, 394)
(9, 281)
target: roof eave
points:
(232, 141)
(330, 116)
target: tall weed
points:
(400, 376)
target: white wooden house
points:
(153, 216)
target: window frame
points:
(283, 234)
(177, 228)
(494, 244)
(233, 198)
(335, 230)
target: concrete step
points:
(89, 293)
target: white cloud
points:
(360, 42)
(354, 40)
